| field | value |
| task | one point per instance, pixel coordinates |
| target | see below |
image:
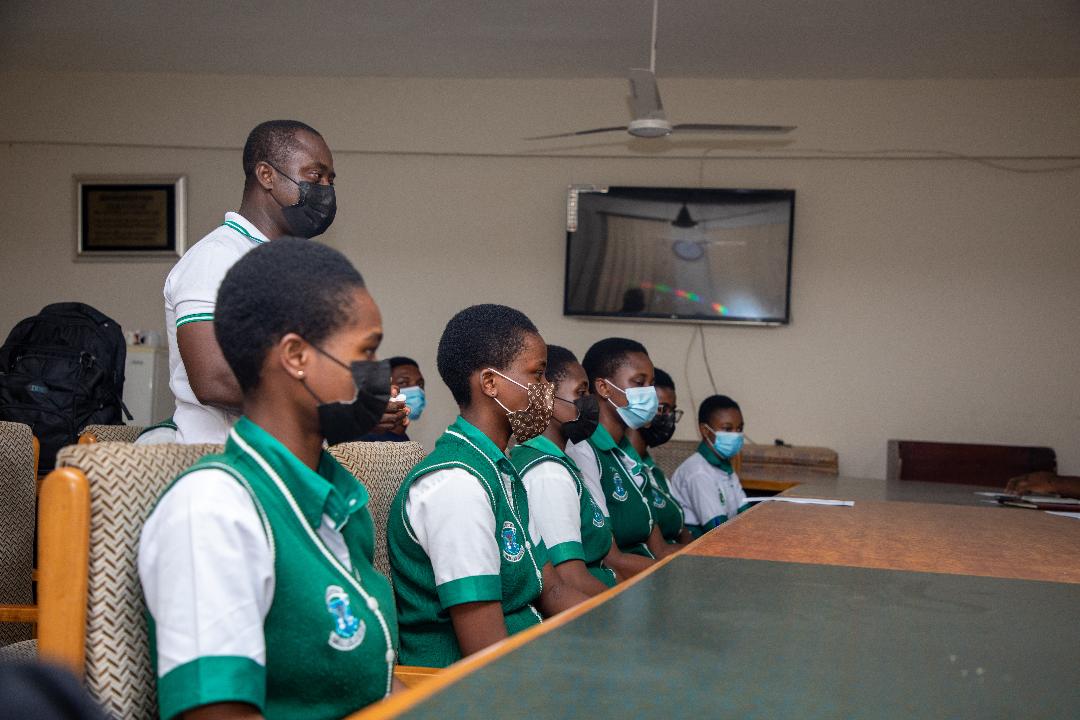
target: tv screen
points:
(684, 254)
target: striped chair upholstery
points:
(18, 497)
(111, 433)
(382, 467)
(125, 481)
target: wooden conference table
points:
(919, 601)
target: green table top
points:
(718, 637)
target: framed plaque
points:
(130, 216)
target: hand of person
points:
(396, 414)
(1036, 483)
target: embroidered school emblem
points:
(658, 501)
(512, 550)
(349, 630)
(619, 493)
(597, 516)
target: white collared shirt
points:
(190, 296)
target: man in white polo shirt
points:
(288, 191)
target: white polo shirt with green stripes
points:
(190, 295)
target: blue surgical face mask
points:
(727, 444)
(415, 399)
(641, 404)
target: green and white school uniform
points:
(666, 511)
(570, 522)
(258, 580)
(190, 297)
(618, 484)
(459, 531)
(708, 489)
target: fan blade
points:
(752, 129)
(594, 131)
(645, 95)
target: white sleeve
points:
(737, 496)
(553, 503)
(207, 571)
(451, 516)
(192, 286)
(584, 457)
(706, 497)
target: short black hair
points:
(559, 360)
(478, 337)
(713, 403)
(288, 285)
(273, 142)
(399, 360)
(662, 380)
(608, 355)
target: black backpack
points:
(62, 370)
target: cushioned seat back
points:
(382, 467)
(113, 433)
(18, 492)
(671, 454)
(125, 480)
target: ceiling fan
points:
(650, 120)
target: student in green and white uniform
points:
(469, 565)
(621, 375)
(256, 563)
(666, 510)
(572, 525)
(706, 485)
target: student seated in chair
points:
(256, 563)
(665, 508)
(574, 529)
(706, 485)
(469, 565)
(621, 376)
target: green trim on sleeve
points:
(213, 679)
(743, 508)
(477, 588)
(194, 317)
(715, 522)
(566, 551)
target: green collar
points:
(602, 439)
(332, 491)
(712, 458)
(546, 446)
(480, 441)
(239, 223)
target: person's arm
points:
(209, 375)
(658, 546)
(557, 595)
(625, 565)
(477, 625)
(685, 538)
(1044, 483)
(706, 496)
(575, 574)
(224, 711)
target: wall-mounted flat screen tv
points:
(682, 254)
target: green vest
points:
(628, 508)
(665, 510)
(331, 631)
(595, 533)
(427, 636)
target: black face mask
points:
(582, 427)
(348, 421)
(314, 212)
(659, 431)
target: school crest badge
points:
(512, 550)
(658, 501)
(349, 630)
(619, 493)
(597, 516)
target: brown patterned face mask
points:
(533, 420)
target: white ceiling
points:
(548, 38)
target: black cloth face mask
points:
(314, 212)
(584, 425)
(348, 421)
(659, 431)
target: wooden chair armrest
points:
(63, 566)
(413, 675)
(87, 438)
(18, 613)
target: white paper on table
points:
(1064, 514)
(804, 501)
(1030, 498)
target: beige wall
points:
(932, 298)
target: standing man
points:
(288, 191)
